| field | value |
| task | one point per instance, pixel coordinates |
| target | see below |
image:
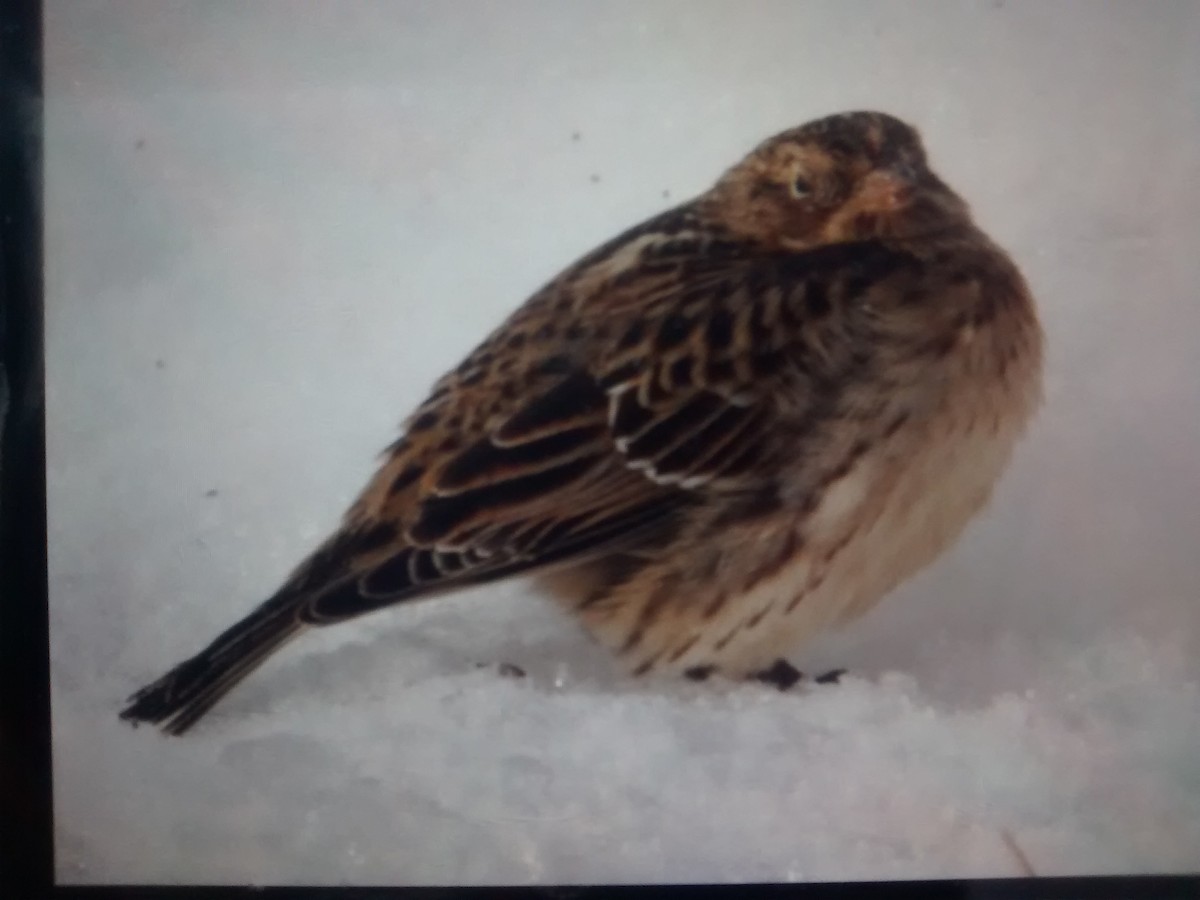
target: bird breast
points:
(897, 508)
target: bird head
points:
(850, 177)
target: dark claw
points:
(508, 670)
(833, 676)
(782, 674)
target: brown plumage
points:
(742, 420)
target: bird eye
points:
(801, 187)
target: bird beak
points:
(890, 189)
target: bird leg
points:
(781, 674)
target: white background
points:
(270, 226)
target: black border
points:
(1130, 887)
(25, 791)
(26, 799)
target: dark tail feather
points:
(177, 700)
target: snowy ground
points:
(270, 226)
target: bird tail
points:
(177, 700)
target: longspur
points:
(743, 420)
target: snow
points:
(268, 231)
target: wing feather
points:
(606, 444)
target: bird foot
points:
(504, 669)
(833, 676)
(781, 674)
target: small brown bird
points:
(743, 420)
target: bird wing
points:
(612, 441)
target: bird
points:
(739, 423)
